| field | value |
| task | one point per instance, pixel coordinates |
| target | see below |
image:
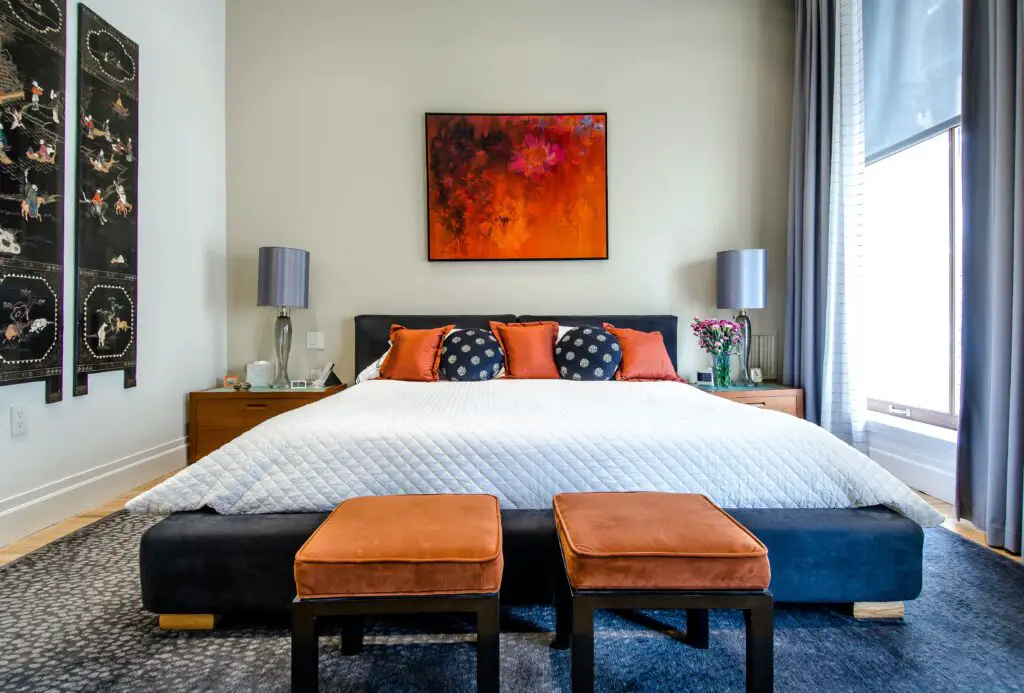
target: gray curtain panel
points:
(809, 176)
(990, 457)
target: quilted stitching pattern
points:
(525, 441)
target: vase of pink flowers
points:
(721, 339)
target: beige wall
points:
(325, 104)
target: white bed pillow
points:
(372, 372)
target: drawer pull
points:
(759, 405)
(261, 405)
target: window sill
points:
(921, 455)
(877, 420)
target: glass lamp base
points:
(283, 346)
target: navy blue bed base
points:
(201, 562)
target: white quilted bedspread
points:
(526, 440)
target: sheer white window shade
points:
(912, 72)
(914, 258)
(908, 251)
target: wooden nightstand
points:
(789, 400)
(220, 415)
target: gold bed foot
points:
(864, 610)
(188, 621)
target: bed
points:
(837, 526)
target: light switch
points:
(315, 340)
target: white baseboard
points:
(937, 483)
(46, 505)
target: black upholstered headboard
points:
(372, 331)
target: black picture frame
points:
(107, 205)
(426, 150)
(32, 156)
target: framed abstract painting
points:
(517, 186)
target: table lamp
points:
(283, 284)
(743, 286)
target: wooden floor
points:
(43, 537)
(962, 527)
(54, 532)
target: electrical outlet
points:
(19, 426)
(315, 340)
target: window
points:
(912, 231)
(912, 58)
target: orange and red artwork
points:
(517, 187)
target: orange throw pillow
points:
(529, 348)
(644, 356)
(415, 354)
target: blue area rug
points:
(71, 620)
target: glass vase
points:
(721, 370)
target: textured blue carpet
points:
(70, 620)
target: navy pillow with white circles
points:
(587, 353)
(472, 354)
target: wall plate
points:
(19, 426)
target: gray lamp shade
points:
(284, 278)
(742, 278)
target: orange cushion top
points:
(656, 541)
(404, 545)
(415, 354)
(644, 356)
(529, 348)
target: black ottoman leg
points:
(351, 635)
(563, 612)
(697, 632)
(582, 646)
(305, 649)
(760, 623)
(488, 652)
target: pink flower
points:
(717, 336)
(536, 157)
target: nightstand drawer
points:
(241, 411)
(218, 416)
(210, 439)
(788, 400)
(785, 403)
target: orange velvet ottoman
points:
(399, 554)
(659, 551)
